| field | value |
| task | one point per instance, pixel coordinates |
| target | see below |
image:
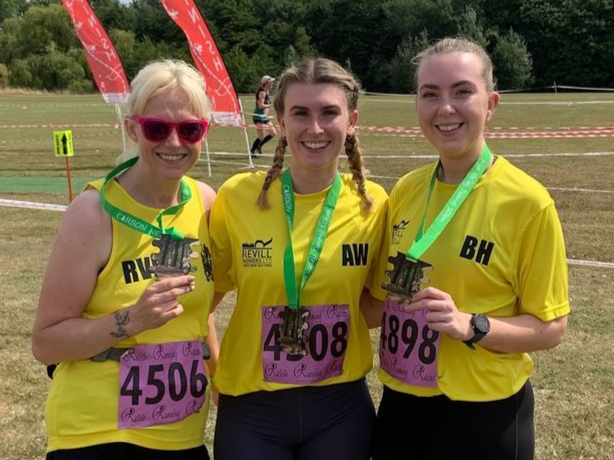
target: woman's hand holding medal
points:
(441, 313)
(159, 303)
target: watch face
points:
(481, 323)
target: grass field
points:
(574, 384)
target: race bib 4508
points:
(327, 340)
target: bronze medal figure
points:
(405, 277)
(174, 258)
(293, 340)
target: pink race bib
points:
(161, 383)
(327, 340)
(408, 347)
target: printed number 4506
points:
(176, 379)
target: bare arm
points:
(80, 251)
(214, 345)
(372, 309)
(516, 334)
(523, 333)
(260, 102)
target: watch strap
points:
(477, 335)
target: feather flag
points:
(101, 55)
(226, 107)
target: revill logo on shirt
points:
(398, 230)
(258, 254)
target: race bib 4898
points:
(408, 347)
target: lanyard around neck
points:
(423, 241)
(317, 243)
(139, 224)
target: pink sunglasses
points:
(158, 130)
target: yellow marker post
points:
(62, 144)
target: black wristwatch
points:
(481, 327)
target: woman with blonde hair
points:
(126, 296)
(299, 252)
(476, 277)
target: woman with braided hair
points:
(300, 252)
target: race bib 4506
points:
(161, 383)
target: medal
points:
(295, 317)
(293, 340)
(175, 250)
(405, 277)
(174, 257)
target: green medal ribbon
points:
(139, 224)
(423, 241)
(317, 243)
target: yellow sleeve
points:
(380, 263)
(378, 231)
(542, 267)
(222, 253)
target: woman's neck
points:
(149, 191)
(306, 182)
(453, 170)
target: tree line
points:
(533, 43)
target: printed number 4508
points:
(318, 342)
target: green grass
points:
(574, 383)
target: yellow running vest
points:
(82, 407)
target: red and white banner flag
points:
(226, 108)
(101, 55)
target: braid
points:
(274, 171)
(352, 150)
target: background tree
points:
(4, 76)
(512, 62)
(402, 68)
(38, 50)
(11, 8)
(531, 41)
(469, 26)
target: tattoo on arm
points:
(122, 318)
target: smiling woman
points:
(315, 124)
(297, 348)
(124, 303)
(454, 344)
(454, 103)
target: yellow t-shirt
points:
(248, 246)
(502, 255)
(82, 407)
